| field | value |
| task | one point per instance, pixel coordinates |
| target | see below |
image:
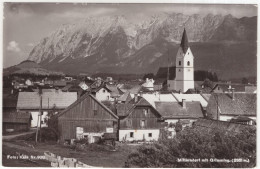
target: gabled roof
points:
(100, 87)
(250, 89)
(114, 91)
(16, 117)
(60, 83)
(226, 87)
(50, 100)
(191, 97)
(157, 97)
(243, 104)
(175, 110)
(67, 87)
(123, 108)
(137, 89)
(184, 42)
(83, 98)
(126, 97)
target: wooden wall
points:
(89, 115)
(133, 121)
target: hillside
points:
(29, 68)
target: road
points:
(9, 137)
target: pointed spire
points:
(184, 42)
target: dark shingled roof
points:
(16, 117)
(243, 104)
(184, 42)
(175, 110)
(123, 108)
(211, 125)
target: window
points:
(104, 91)
(145, 111)
(131, 134)
(188, 63)
(142, 123)
(150, 134)
(179, 70)
(95, 112)
(179, 63)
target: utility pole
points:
(168, 71)
(39, 118)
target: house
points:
(52, 102)
(138, 121)
(114, 91)
(86, 118)
(159, 84)
(29, 82)
(148, 84)
(83, 86)
(101, 93)
(16, 121)
(173, 112)
(228, 106)
(227, 87)
(60, 83)
(192, 97)
(250, 89)
(124, 98)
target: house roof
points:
(114, 91)
(184, 42)
(59, 100)
(242, 104)
(125, 97)
(225, 87)
(250, 89)
(100, 87)
(209, 125)
(9, 101)
(16, 117)
(206, 96)
(157, 97)
(67, 87)
(138, 88)
(83, 98)
(123, 108)
(60, 83)
(191, 97)
(175, 110)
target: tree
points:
(194, 143)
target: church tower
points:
(184, 78)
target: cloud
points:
(13, 47)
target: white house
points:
(148, 84)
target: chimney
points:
(184, 103)
(233, 93)
(136, 98)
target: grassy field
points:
(93, 154)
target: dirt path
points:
(9, 137)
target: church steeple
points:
(184, 42)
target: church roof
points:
(184, 42)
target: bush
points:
(192, 143)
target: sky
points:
(25, 24)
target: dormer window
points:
(179, 63)
(188, 63)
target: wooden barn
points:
(16, 121)
(86, 118)
(138, 121)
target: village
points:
(79, 110)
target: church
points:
(184, 78)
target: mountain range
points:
(113, 44)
